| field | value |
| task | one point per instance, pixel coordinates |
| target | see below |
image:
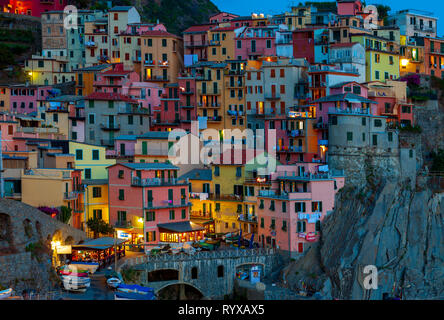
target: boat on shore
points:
(134, 292)
(5, 294)
(75, 284)
(113, 283)
(91, 267)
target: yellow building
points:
(227, 194)
(382, 57)
(85, 78)
(234, 95)
(91, 159)
(162, 54)
(48, 71)
(96, 200)
(221, 43)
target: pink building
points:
(8, 127)
(196, 41)
(291, 211)
(222, 17)
(147, 200)
(124, 147)
(255, 42)
(349, 7)
(27, 98)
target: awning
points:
(99, 244)
(185, 226)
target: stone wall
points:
(25, 246)
(207, 263)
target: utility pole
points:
(2, 182)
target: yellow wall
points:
(98, 167)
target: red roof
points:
(199, 28)
(109, 96)
(158, 33)
(116, 71)
(225, 29)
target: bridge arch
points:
(193, 292)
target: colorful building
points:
(147, 199)
(91, 159)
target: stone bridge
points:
(210, 272)
(21, 224)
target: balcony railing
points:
(209, 92)
(227, 197)
(110, 126)
(167, 204)
(123, 224)
(215, 119)
(70, 195)
(137, 182)
(272, 96)
(288, 148)
(234, 84)
(196, 43)
(349, 111)
(247, 218)
(296, 133)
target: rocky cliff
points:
(394, 224)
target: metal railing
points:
(136, 181)
(123, 224)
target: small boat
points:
(90, 266)
(134, 292)
(110, 273)
(5, 293)
(113, 282)
(70, 271)
(76, 284)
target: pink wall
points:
(27, 95)
(36, 7)
(261, 47)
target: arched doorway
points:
(6, 234)
(180, 291)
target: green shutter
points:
(144, 148)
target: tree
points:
(65, 214)
(98, 226)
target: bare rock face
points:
(398, 230)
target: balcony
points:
(196, 43)
(214, 92)
(107, 142)
(90, 44)
(323, 142)
(214, 42)
(247, 218)
(255, 52)
(288, 148)
(79, 208)
(123, 224)
(149, 63)
(110, 126)
(214, 119)
(296, 133)
(234, 84)
(358, 111)
(137, 59)
(187, 91)
(320, 126)
(272, 96)
(70, 195)
(235, 113)
(164, 204)
(187, 107)
(77, 114)
(157, 78)
(156, 182)
(209, 105)
(226, 197)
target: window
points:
(130, 119)
(150, 198)
(390, 136)
(164, 42)
(97, 214)
(95, 155)
(97, 192)
(172, 215)
(79, 154)
(239, 172)
(349, 136)
(120, 175)
(301, 226)
(216, 171)
(272, 205)
(184, 214)
(375, 140)
(284, 206)
(262, 222)
(284, 225)
(377, 75)
(220, 271)
(121, 215)
(316, 206)
(194, 273)
(334, 120)
(121, 194)
(92, 118)
(410, 153)
(151, 236)
(272, 73)
(364, 121)
(299, 207)
(261, 205)
(378, 123)
(87, 173)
